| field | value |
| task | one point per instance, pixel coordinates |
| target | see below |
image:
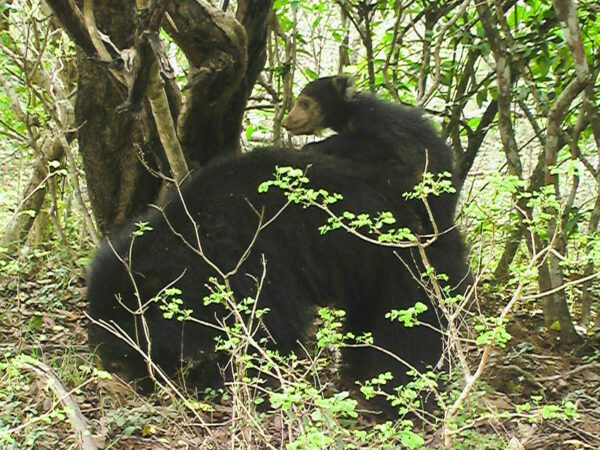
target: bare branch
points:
(78, 421)
(437, 51)
(90, 23)
(72, 20)
(74, 177)
(504, 81)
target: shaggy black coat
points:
(304, 269)
(393, 143)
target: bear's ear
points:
(344, 86)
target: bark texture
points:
(118, 136)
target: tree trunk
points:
(586, 295)
(110, 143)
(119, 185)
(225, 56)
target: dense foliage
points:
(513, 87)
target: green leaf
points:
(311, 74)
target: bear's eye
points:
(304, 104)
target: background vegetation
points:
(97, 99)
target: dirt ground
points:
(45, 319)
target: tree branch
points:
(71, 18)
(77, 419)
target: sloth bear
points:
(212, 221)
(387, 140)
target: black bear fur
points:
(388, 140)
(304, 269)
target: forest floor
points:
(44, 318)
